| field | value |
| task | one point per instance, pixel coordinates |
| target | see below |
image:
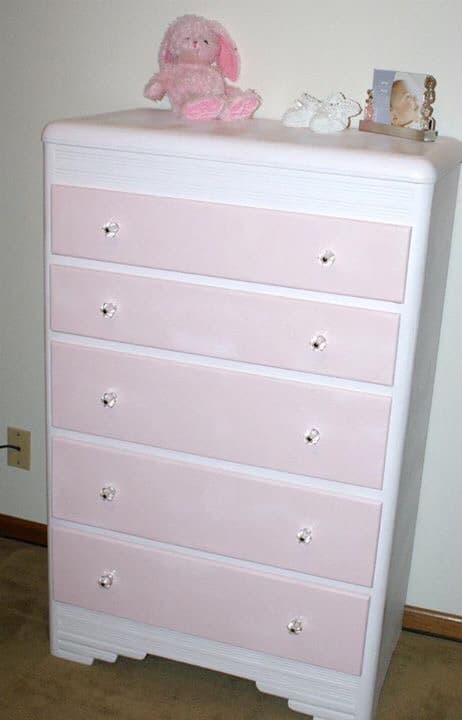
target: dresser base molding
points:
(25, 530)
(83, 635)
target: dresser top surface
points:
(262, 142)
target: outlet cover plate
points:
(21, 438)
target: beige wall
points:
(71, 57)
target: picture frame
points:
(401, 104)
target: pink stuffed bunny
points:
(195, 56)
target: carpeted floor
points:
(424, 681)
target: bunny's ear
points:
(228, 56)
(165, 55)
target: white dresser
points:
(243, 322)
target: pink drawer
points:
(247, 326)
(223, 512)
(211, 599)
(229, 414)
(266, 246)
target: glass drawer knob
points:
(295, 626)
(305, 535)
(108, 309)
(105, 580)
(108, 493)
(312, 436)
(109, 399)
(111, 229)
(327, 257)
(318, 343)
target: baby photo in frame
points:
(401, 103)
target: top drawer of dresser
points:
(347, 257)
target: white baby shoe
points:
(301, 112)
(331, 115)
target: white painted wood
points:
(396, 440)
(154, 132)
(354, 175)
(249, 185)
(439, 243)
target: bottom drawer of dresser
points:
(226, 602)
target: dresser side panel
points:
(439, 244)
(48, 169)
(419, 220)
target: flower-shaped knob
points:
(109, 399)
(318, 343)
(327, 258)
(108, 493)
(105, 580)
(111, 229)
(312, 437)
(305, 535)
(295, 626)
(108, 309)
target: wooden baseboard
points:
(432, 622)
(415, 619)
(25, 530)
